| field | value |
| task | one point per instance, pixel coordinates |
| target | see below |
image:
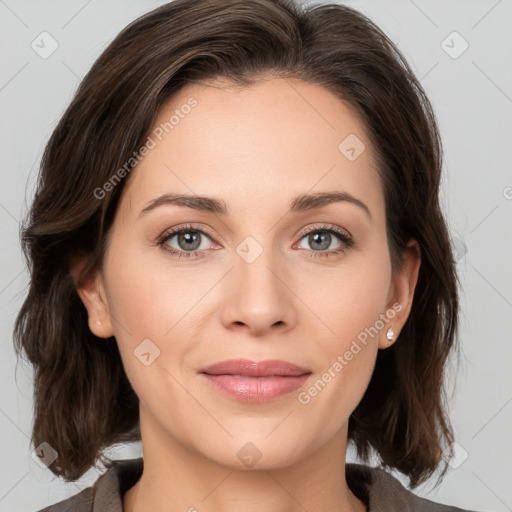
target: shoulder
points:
(106, 493)
(81, 502)
(383, 492)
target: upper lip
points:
(245, 367)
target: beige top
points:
(379, 490)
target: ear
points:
(91, 290)
(401, 293)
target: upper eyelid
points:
(175, 231)
(325, 227)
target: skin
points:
(256, 148)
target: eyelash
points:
(341, 235)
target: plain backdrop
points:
(462, 52)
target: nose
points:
(258, 296)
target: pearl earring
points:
(390, 334)
(98, 322)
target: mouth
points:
(255, 382)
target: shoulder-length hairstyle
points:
(83, 401)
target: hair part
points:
(83, 401)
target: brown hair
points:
(83, 400)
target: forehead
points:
(266, 142)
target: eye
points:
(189, 242)
(192, 242)
(321, 238)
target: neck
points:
(176, 477)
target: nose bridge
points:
(257, 295)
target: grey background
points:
(472, 96)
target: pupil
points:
(325, 237)
(188, 237)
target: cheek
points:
(156, 314)
(147, 295)
(351, 297)
(351, 302)
(150, 306)
(348, 359)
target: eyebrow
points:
(300, 203)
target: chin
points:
(254, 452)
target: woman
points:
(238, 257)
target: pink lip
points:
(250, 381)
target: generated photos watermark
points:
(305, 397)
(157, 133)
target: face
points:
(269, 278)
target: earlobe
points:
(401, 294)
(92, 294)
(100, 322)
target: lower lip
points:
(255, 389)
